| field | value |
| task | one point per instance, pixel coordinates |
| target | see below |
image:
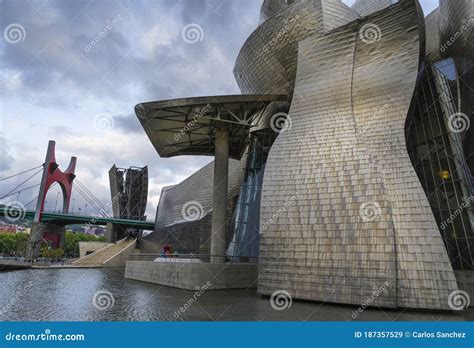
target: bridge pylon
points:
(51, 174)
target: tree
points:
(71, 243)
(13, 243)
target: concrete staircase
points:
(113, 255)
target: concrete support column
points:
(36, 235)
(219, 204)
(38, 229)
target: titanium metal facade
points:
(183, 216)
(356, 191)
(344, 156)
(367, 7)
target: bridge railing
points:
(198, 257)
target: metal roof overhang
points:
(187, 126)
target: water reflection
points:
(67, 294)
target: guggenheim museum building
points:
(344, 165)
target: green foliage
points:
(16, 244)
(71, 244)
(13, 243)
(52, 253)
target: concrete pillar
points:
(36, 237)
(219, 204)
(110, 233)
(114, 232)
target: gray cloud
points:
(128, 124)
(52, 86)
(7, 160)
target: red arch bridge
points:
(50, 225)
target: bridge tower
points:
(51, 174)
(129, 191)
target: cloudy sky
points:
(55, 84)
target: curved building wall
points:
(432, 36)
(195, 192)
(270, 8)
(267, 60)
(456, 24)
(196, 188)
(353, 215)
(367, 7)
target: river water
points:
(105, 295)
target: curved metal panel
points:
(367, 7)
(267, 60)
(432, 36)
(187, 126)
(358, 218)
(271, 7)
(456, 25)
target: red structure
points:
(51, 175)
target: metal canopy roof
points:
(187, 126)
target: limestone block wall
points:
(120, 257)
(90, 247)
(360, 220)
(191, 275)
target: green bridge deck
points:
(67, 219)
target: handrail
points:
(132, 242)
